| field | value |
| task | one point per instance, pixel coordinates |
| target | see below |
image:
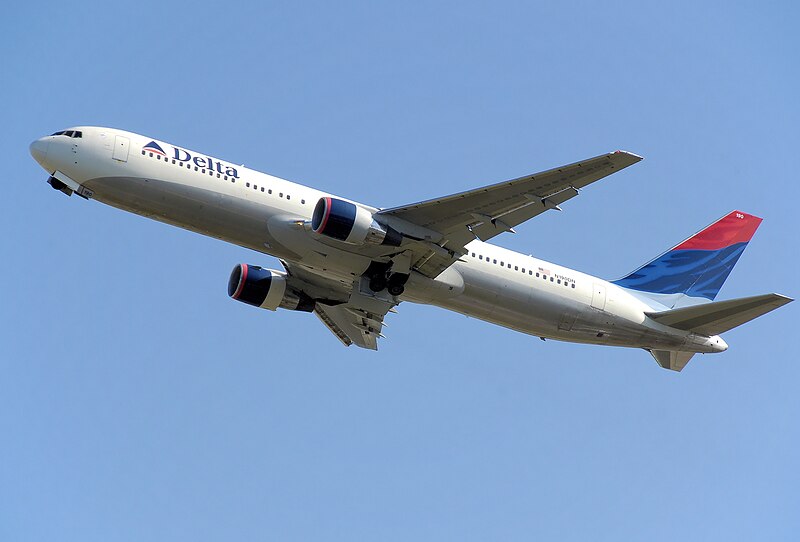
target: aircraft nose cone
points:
(39, 150)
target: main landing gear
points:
(381, 278)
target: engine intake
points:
(266, 289)
(350, 223)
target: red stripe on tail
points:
(736, 227)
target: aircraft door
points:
(599, 296)
(121, 146)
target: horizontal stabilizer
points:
(719, 316)
(674, 361)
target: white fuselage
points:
(261, 212)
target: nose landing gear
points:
(60, 186)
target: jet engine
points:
(352, 224)
(266, 289)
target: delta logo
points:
(155, 148)
(184, 156)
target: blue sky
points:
(137, 402)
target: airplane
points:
(351, 264)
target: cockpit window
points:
(69, 133)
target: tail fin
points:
(693, 271)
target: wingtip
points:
(630, 154)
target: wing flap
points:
(720, 316)
(534, 206)
(328, 316)
(348, 309)
(360, 320)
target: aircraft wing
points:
(351, 311)
(485, 212)
(351, 325)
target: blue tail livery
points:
(694, 270)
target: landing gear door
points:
(121, 146)
(599, 296)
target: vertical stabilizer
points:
(693, 271)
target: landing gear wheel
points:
(396, 289)
(377, 284)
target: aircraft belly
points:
(204, 211)
(542, 313)
(506, 303)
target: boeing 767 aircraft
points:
(350, 263)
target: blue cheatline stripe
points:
(696, 273)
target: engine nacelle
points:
(266, 289)
(349, 223)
